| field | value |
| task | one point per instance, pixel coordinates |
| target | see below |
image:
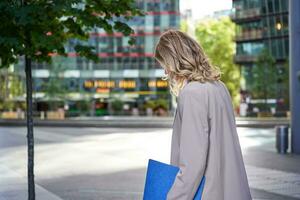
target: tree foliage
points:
(183, 25)
(55, 88)
(284, 83)
(10, 85)
(217, 39)
(39, 29)
(264, 75)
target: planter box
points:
(9, 115)
(264, 114)
(288, 114)
(55, 115)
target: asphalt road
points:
(110, 163)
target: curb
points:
(134, 122)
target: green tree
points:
(264, 72)
(11, 87)
(55, 89)
(37, 29)
(16, 86)
(283, 81)
(4, 84)
(217, 39)
(117, 106)
(183, 25)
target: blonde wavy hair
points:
(184, 59)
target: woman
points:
(204, 138)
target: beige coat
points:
(205, 142)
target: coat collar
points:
(185, 82)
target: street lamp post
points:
(294, 32)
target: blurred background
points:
(97, 124)
(127, 81)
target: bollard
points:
(282, 139)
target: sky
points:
(201, 8)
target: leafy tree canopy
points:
(40, 28)
(216, 36)
(264, 76)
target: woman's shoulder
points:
(195, 88)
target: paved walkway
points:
(274, 181)
(110, 163)
(14, 187)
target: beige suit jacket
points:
(205, 142)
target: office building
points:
(261, 24)
(129, 73)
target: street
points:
(110, 163)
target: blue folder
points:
(160, 178)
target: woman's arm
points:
(193, 109)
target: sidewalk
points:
(272, 175)
(265, 184)
(116, 169)
(273, 184)
(14, 187)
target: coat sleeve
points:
(194, 143)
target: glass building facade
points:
(129, 73)
(260, 24)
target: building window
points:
(156, 21)
(284, 5)
(270, 6)
(249, 48)
(286, 46)
(126, 63)
(173, 20)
